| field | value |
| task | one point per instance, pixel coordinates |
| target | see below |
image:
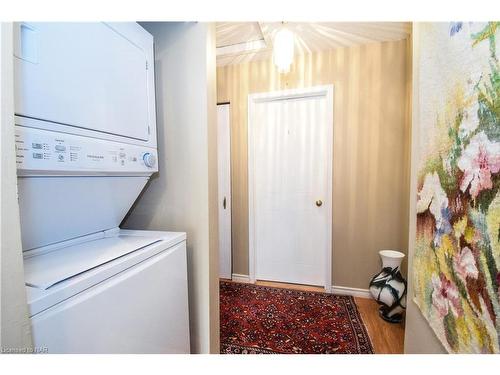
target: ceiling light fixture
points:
(283, 49)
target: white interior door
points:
(224, 182)
(290, 175)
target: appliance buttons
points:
(60, 157)
(60, 148)
(37, 146)
(37, 155)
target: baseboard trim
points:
(240, 278)
(335, 289)
(355, 292)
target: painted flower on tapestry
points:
(445, 296)
(432, 197)
(480, 159)
(455, 27)
(464, 264)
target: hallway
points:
(270, 317)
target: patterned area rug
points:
(264, 320)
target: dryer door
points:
(93, 76)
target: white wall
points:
(180, 196)
(15, 326)
(419, 337)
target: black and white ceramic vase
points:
(388, 287)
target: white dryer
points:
(86, 147)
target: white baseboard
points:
(342, 290)
(240, 278)
(355, 292)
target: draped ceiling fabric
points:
(310, 37)
(457, 252)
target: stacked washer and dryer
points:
(86, 147)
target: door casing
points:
(316, 91)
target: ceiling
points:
(239, 42)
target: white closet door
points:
(292, 141)
(224, 186)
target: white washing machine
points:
(86, 147)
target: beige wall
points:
(179, 197)
(15, 325)
(371, 149)
(419, 337)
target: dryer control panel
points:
(48, 152)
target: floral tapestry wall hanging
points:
(457, 252)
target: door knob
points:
(319, 203)
(224, 203)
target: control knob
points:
(149, 159)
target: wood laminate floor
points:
(387, 338)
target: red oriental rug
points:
(258, 319)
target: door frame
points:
(315, 91)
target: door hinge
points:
(149, 130)
(147, 65)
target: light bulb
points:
(283, 50)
